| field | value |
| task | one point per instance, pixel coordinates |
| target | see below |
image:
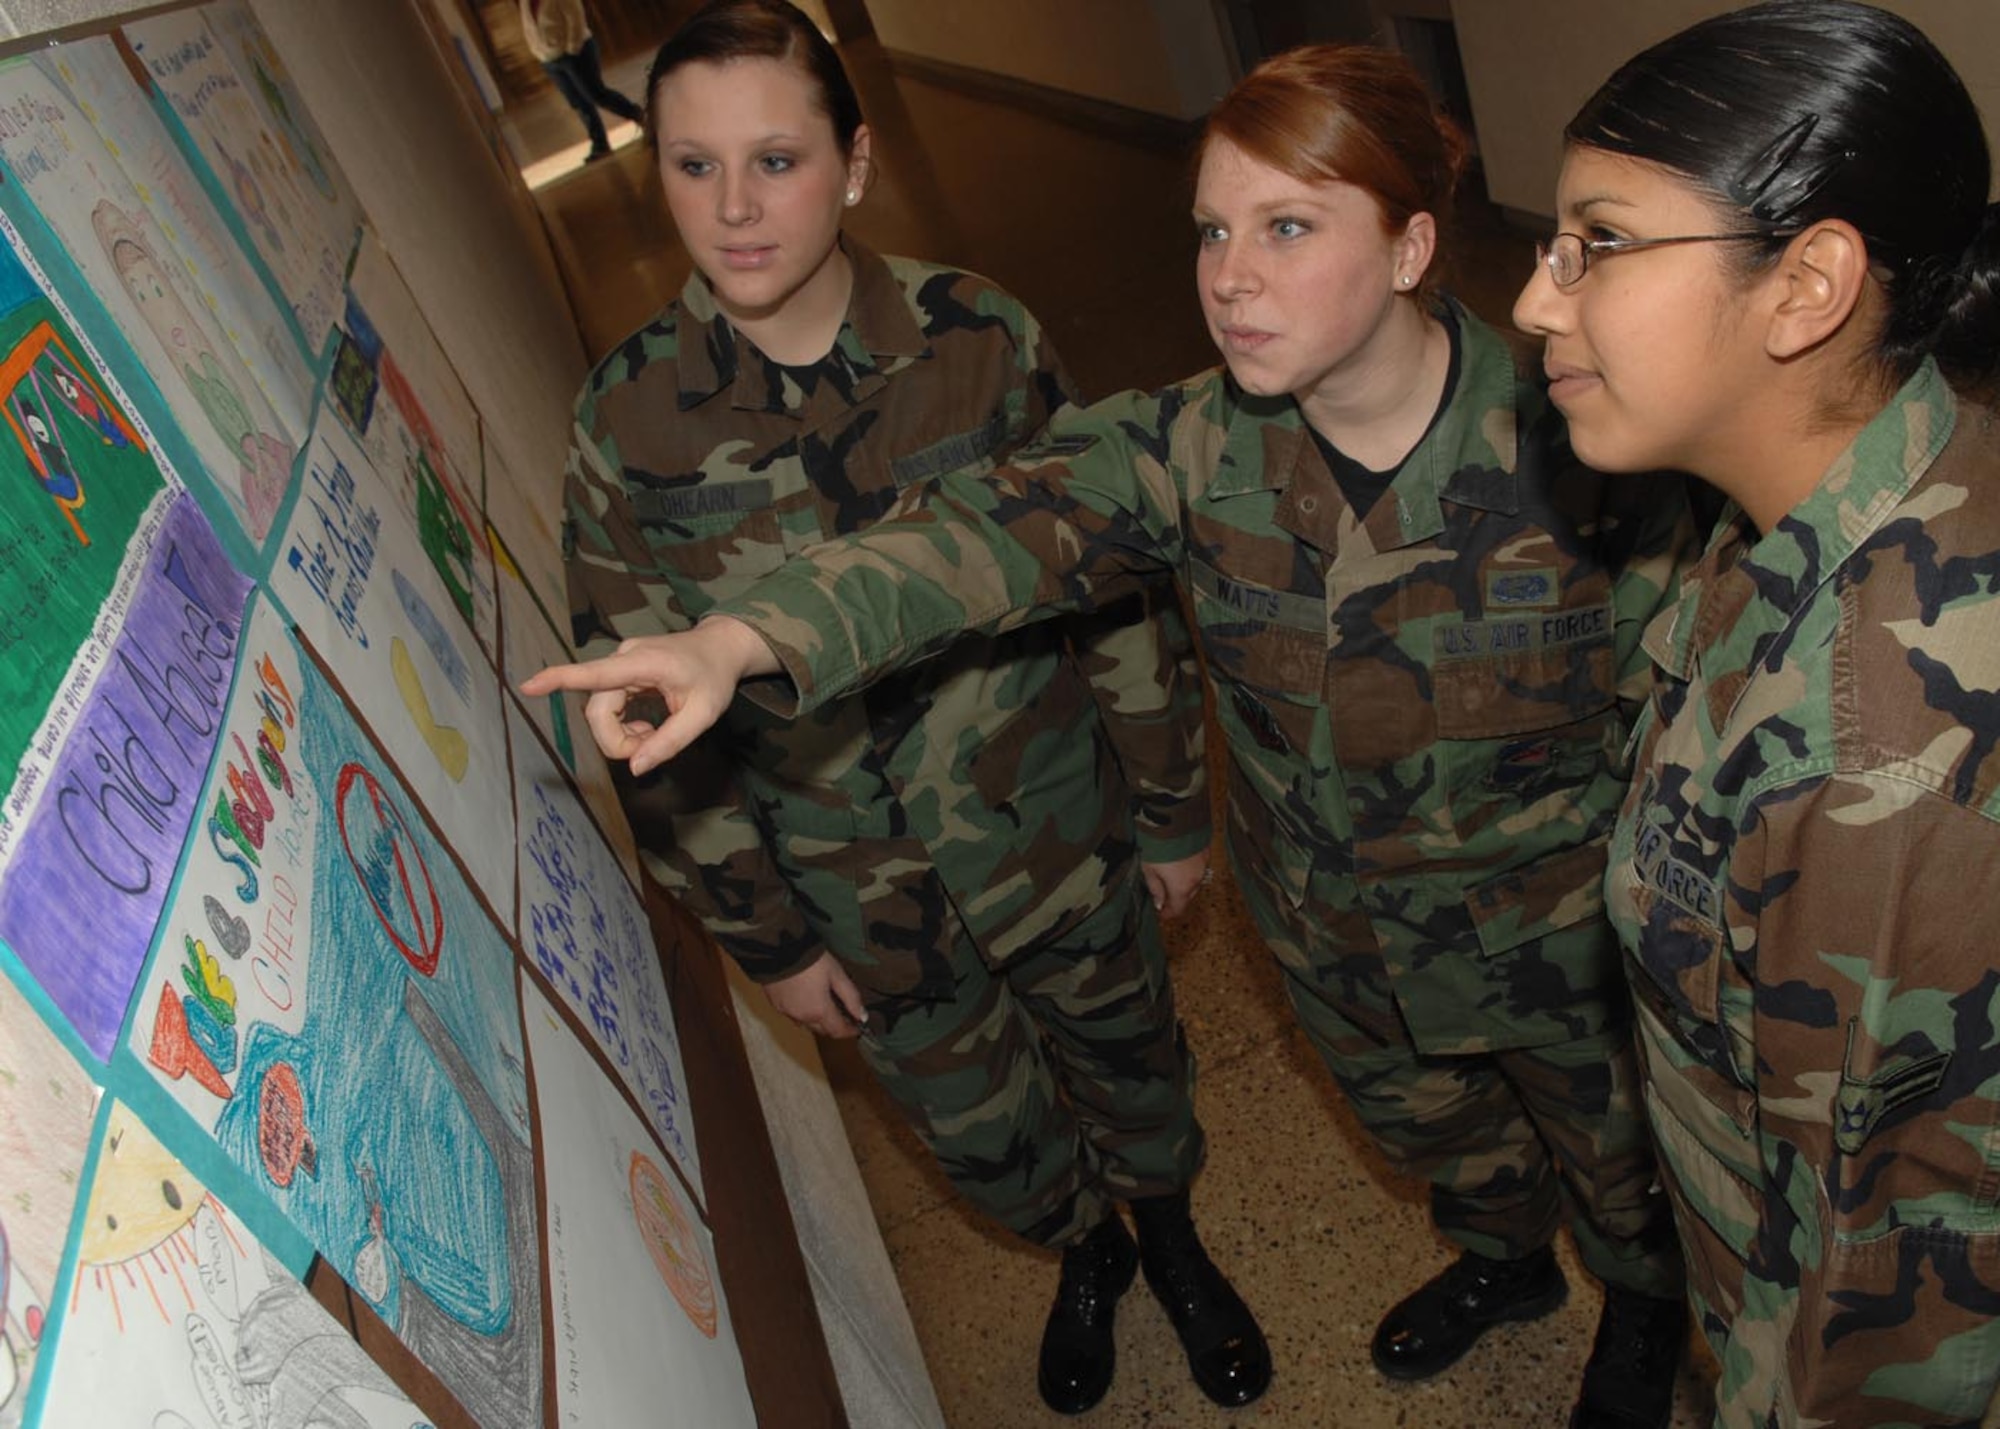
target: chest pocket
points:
(713, 540)
(1265, 650)
(974, 450)
(1267, 640)
(1526, 710)
(1523, 671)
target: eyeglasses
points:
(1567, 256)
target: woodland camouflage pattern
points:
(1806, 879)
(982, 808)
(1422, 711)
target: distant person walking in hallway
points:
(559, 36)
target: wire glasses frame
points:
(1567, 256)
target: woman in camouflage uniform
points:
(949, 864)
(1421, 618)
(1807, 870)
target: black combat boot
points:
(1078, 1353)
(1628, 1382)
(1432, 1328)
(1225, 1349)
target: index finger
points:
(612, 672)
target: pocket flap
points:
(1527, 686)
(1533, 901)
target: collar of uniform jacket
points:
(1469, 457)
(1747, 588)
(881, 327)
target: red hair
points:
(1349, 113)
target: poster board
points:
(261, 952)
(97, 72)
(56, 160)
(295, 214)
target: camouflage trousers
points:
(1508, 1140)
(1056, 1084)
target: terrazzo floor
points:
(1089, 225)
(1294, 1203)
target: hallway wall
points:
(1161, 56)
(1532, 63)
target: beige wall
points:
(1160, 56)
(1531, 63)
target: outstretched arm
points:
(694, 672)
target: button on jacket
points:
(994, 788)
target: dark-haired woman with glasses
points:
(1421, 617)
(1806, 874)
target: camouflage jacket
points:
(1422, 708)
(1802, 879)
(983, 788)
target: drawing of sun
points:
(138, 1239)
(671, 1239)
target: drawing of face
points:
(671, 1240)
(157, 304)
(142, 1198)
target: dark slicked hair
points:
(1795, 111)
(726, 30)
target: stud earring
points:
(853, 197)
(1406, 280)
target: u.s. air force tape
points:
(1519, 634)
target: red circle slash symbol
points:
(407, 906)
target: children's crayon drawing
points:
(304, 238)
(179, 1319)
(47, 1104)
(382, 414)
(76, 187)
(365, 389)
(418, 377)
(287, 120)
(76, 485)
(528, 644)
(95, 73)
(357, 576)
(530, 524)
(111, 785)
(585, 930)
(333, 1007)
(629, 1349)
